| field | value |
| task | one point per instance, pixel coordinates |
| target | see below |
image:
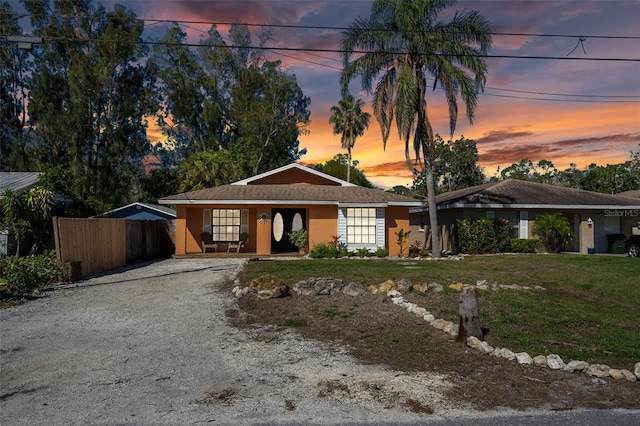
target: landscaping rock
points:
(398, 300)
(615, 374)
(421, 312)
(394, 293)
(438, 288)
(486, 348)
(504, 353)
(268, 287)
(540, 360)
(636, 370)
(554, 362)
(598, 370)
(421, 288)
(456, 287)
(473, 342)
(482, 285)
(327, 286)
(576, 366)
(304, 288)
(524, 358)
(382, 288)
(628, 375)
(240, 291)
(495, 286)
(353, 289)
(403, 284)
(429, 318)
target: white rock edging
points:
(551, 361)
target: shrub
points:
(363, 252)
(382, 252)
(477, 236)
(23, 275)
(325, 250)
(521, 245)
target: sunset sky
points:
(563, 110)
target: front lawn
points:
(589, 310)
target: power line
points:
(340, 51)
(323, 27)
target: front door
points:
(285, 221)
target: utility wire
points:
(340, 51)
(322, 27)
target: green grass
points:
(589, 311)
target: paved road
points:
(150, 346)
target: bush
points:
(382, 252)
(23, 275)
(483, 235)
(325, 250)
(521, 245)
(363, 252)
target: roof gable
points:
(293, 174)
(135, 208)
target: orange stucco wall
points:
(396, 218)
(323, 224)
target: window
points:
(491, 214)
(361, 225)
(225, 224)
(524, 225)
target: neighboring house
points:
(141, 211)
(15, 181)
(592, 215)
(269, 206)
(18, 181)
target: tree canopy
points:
(404, 42)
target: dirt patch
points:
(375, 331)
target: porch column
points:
(587, 234)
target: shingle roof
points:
(18, 181)
(290, 194)
(521, 193)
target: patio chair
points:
(238, 244)
(207, 242)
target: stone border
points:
(267, 287)
(552, 361)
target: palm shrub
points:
(554, 230)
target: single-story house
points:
(594, 216)
(141, 211)
(268, 206)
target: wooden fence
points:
(89, 246)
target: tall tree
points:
(229, 96)
(338, 167)
(15, 66)
(90, 96)
(404, 43)
(350, 121)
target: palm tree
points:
(349, 120)
(554, 230)
(403, 42)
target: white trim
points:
(293, 166)
(523, 225)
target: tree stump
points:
(468, 314)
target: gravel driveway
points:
(151, 345)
